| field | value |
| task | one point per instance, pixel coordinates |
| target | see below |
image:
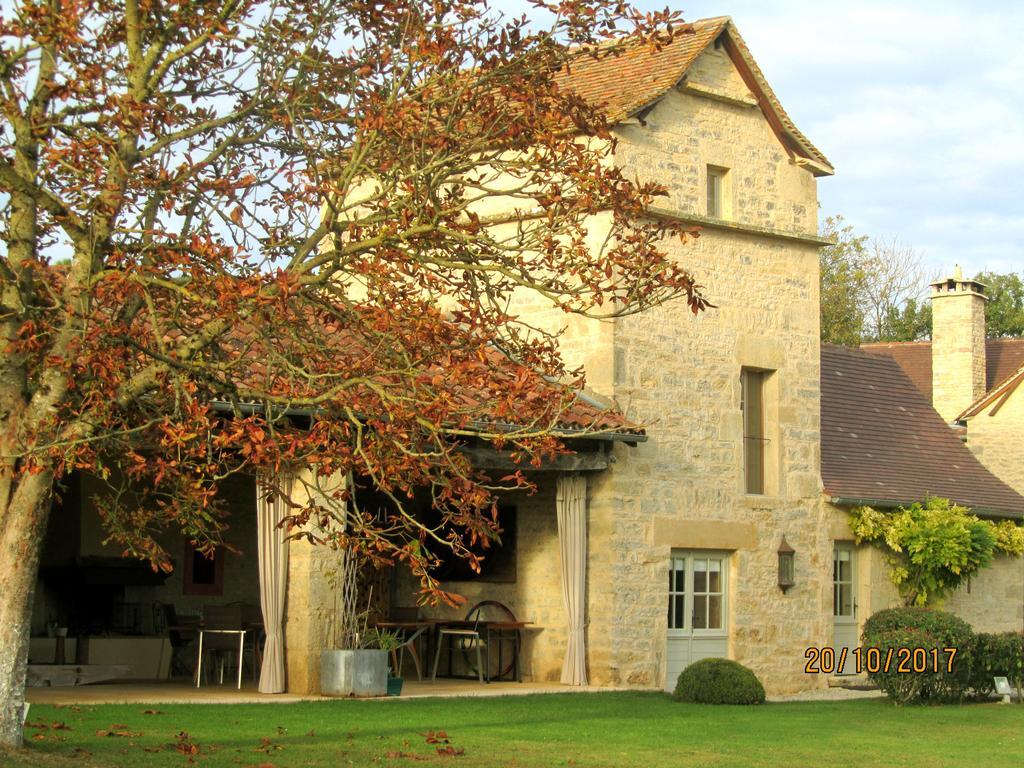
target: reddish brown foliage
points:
(246, 236)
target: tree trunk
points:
(23, 514)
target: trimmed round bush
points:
(898, 632)
(719, 681)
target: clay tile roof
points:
(625, 84)
(883, 443)
(1003, 358)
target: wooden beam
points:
(583, 461)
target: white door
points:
(844, 605)
(697, 610)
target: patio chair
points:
(475, 638)
(165, 620)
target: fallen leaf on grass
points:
(183, 743)
(38, 736)
(436, 737)
(60, 727)
(152, 712)
(266, 745)
(449, 751)
(397, 755)
(79, 752)
(121, 731)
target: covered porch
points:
(117, 616)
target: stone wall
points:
(680, 376)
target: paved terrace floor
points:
(182, 692)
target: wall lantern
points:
(786, 565)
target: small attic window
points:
(716, 191)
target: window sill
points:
(758, 500)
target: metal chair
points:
(475, 638)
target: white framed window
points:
(843, 603)
(697, 594)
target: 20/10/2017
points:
(918, 660)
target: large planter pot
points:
(354, 673)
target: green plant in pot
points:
(388, 641)
(350, 665)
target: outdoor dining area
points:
(487, 644)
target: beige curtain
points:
(273, 562)
(572, 539)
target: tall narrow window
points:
(716, 187)
(754, 440)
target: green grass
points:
(602, 729)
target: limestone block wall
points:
(685, 133)
(996, 440)
(680, 376)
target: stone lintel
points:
(703, 534)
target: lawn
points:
(601, 729)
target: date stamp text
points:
(829, 661)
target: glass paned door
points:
(844, 603)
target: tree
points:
(1004, 312)
(870, 289)
(843, 283)
(935, 546)
(288, 234)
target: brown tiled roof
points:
(1003, 358)
(883, 443)
(626, 83)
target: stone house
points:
(649, 550)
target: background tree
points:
(1004, 311)
(935, 546)
(871, 290)
(289, 233)
(843, 283)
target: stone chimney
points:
(958, 344)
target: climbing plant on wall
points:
(934, 546)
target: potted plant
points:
(388, 641)
(350, 666)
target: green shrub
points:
(719, 681)
(896, 629)
(997, 655)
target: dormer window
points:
(716, 191)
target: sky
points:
(918, 105)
